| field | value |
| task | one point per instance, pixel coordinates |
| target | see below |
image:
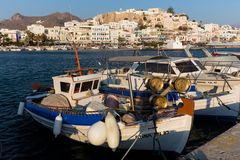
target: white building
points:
(114, 36)
(128, 25)
(82, 35)
(13, 35)
(228, 33)
(193, 25)
(211, 27)
(36, 28)
(100, 34)
(72, 23)
(53, 33)
(168, 21)
(174, 44)
(128, 36)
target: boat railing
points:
(79, 72)
(224, 65)
(65, 110)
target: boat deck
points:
(224, 146)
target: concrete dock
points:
(225, 147)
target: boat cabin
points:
(76, 88)
(146, 67)
(172, 66)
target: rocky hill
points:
(18, 21)
(115, 17)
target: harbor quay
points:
(225, 146)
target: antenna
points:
(70, 10)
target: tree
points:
(29, 38)
(170, 10)
(5, 39)
(141, 26)
(1, 36)
(183, 28)
(33, 39)
(121, 40)
(158, 26)
(43, 38)
(37, 38)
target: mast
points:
(77, 58)
(130, 90)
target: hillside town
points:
(130, 28)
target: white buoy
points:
(21, 108)
(97, 133)
(57, 125)
(113, 134)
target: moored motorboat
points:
(215, 94)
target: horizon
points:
(84, 11)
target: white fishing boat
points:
(171, 132)
(75, 108)
(215, 94)
(221, 62)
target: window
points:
(141, 67)
(86, 86)
(186, 66)
(65, 87)
(165, 68)
(155, 67)
(198, 53)
(151, 67)
(77, 87)
(159, 68)
(95, 85)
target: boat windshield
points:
(155, 67)
(186, 66)
(198, 53)
(200, 65)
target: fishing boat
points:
(215, 94)
(225, 63)
(75, 108)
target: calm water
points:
(23, 138)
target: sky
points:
(207, 11)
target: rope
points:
(1, 147)
(155, 138)
(130, 147)
(220, 102)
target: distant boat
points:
(15, 49)
(95, 47)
